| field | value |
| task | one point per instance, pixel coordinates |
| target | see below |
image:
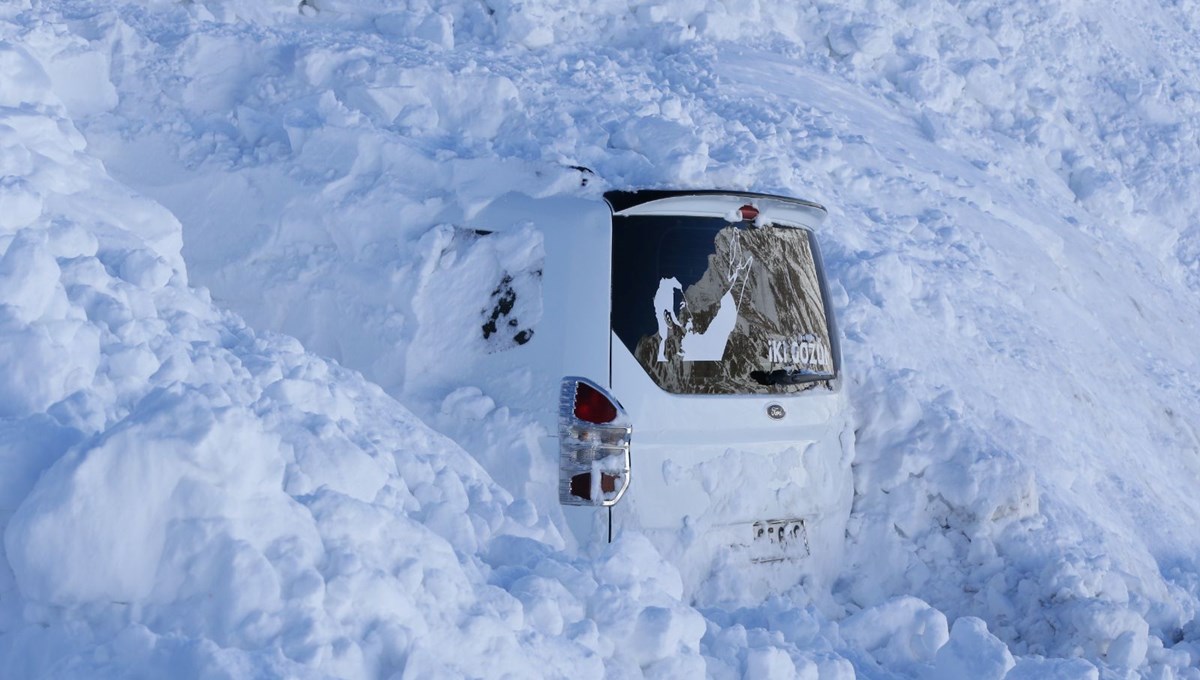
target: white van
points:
(682, 353)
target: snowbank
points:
(1013, 244)
(183, 496)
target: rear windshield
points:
(712, 307)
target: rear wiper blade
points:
(784, 377)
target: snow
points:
(225, 225)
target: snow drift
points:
(1013, 246)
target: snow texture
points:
(222, 223)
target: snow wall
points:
(200, 482)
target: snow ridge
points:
(1014, 256)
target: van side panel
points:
(572, 336)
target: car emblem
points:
(776, 412)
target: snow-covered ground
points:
(217, 458)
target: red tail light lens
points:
(592, 406)
(748, 212)
(581, 485)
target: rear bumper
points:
(715, 485)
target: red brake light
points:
(748, 212)
(592, 406)
(581, 485)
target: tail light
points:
(593, 434)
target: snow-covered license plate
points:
(773, 540)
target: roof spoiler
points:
(713, 201)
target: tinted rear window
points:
(710, 307)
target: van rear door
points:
(724, 353)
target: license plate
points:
(774, 540)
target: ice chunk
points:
(902, 632)
(24, 80)
(972, 652)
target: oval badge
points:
(776, 412)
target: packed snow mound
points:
(1014, 251)
(170, 473)
(182, 495)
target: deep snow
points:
(192, 484)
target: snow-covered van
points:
(681, 349)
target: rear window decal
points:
(709, 344)
(804, 351)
